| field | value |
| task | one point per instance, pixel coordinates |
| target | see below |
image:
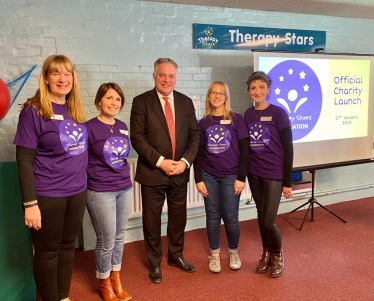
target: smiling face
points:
(217, 98)
(259, 90)
(110, 104)
(60, 83)
(165, 77)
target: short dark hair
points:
(102, 91)
(258, 75)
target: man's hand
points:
(167, 166)
(180, 166)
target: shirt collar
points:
(170, 96)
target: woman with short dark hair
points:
(269, 168)
(109, 188)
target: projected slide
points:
(325, 98)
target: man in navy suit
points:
(165, 134)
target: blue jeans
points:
(221, 203)
(109, 212)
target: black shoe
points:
(181, 264)
(155, 274)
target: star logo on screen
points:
(296, 88)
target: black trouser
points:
(54, 244)
(267, 194)
(153, 198)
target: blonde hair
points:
(42, 98)
(227, 113)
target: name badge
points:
(266, 118)
(225, 122)
(124, 132)
(57, 117)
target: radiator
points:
(194, 198)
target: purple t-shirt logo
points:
(218, 139)
(116, 151)
(296, 88)
(73, 137)
(259, 135)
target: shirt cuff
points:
(185, 161)
(160, 161)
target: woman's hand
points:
(287, 192)
(33, 218)
(202, 189)
(238, 187)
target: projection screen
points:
(329, 101)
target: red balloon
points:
(4, 99)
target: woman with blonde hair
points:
(52, 156)
(220, 171)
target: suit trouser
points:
(153, 198)
(54, 243)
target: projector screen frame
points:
(345, 153)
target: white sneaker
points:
(235, 262)
(214, 264)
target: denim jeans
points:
(221, 203)
(109, 212)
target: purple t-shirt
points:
(266, 149)
(107, 156)
(60, 151)
(221, 154)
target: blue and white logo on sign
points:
(296, 88)
(218, 139)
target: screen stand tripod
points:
(311, 203)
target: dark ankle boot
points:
(276, 265)
(264, 261)
(122, 295)
(106, 290)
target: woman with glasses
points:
(220, 171)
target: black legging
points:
(54, 244)
(267, 194)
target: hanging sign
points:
(208, 36)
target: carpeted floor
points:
(327, 260)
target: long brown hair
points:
(42, 98)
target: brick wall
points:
(119, 41)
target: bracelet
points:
(32, 205)
(26, 204)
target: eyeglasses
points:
(217, 93)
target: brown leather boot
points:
(117, 287)
(264, 261)
(276, 265)
(106, 290)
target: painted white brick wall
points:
(119, 41)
